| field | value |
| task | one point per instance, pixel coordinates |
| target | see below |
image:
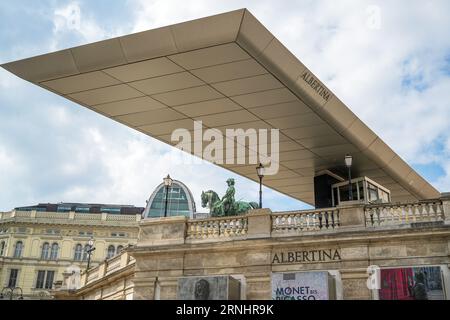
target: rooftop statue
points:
(227, 206)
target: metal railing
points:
(397, 214)
(308, 220)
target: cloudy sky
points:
(389, 61)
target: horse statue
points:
(226, 206)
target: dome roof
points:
(180, 201)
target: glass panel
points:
(40, 279)
(361, 190)
(63, 209)
(177, 203)
(85, 252)
(335, 195)
(18, 249)
(54, 252)
(13, 278)
(45, 251)
(384, 196)
(373, 192)
(78, 250)
(110, 210)
(111, 251)
(49, 280)
(344, 194)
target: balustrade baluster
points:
(410, 215)
(319, 219)
(432, 212)
(332, 219)
(402, 214)
(439, 212)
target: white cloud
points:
(365, 52)
(71, 19)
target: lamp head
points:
(348, 160)
(260, 170)
(168, 181)
(91, 242)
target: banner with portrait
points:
(413, 283)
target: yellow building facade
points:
(37, 248)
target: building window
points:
(85, 233)
(373, 192)
(118, 234)
(2, 248)
(13, 274)
(18, 249)
(45, 279)
(52, 231)
(45, 251)
(110, 210)
(21, 230)
(64, 209)
(78, 252)
(85, 252)
(119, 248)
(54, 251)
(111, 251)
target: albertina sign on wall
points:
(303, 286)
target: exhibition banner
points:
(414, 283)
(302, 286)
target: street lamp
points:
(167, 182)
(260, 171)
(89, 252)
(348, 163)
(10, 292)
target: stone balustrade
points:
(70, 217)
(217, 227)
(263, 223)
(94, 274)
(114, 264)
(308, 220)
(397, 214)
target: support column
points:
(351, 215)
(162, 231)
(259, 223)
(144, 288)
(354, 284)
(258, 286)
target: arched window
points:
(78, 252)
(18, 249)
(119, 248)
(54, 251)
(2, 248)
(85, 252)
(45, 251)
(111, 251)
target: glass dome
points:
(180, 201)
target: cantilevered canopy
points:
(229, 71)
